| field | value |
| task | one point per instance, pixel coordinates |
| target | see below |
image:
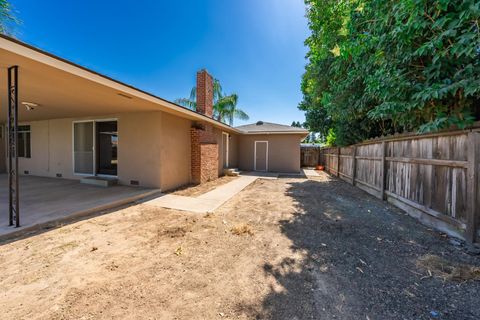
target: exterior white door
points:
(261, 156)
(225, 147)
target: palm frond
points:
(224, 106)
(240, 114)
(217, 90)
(187, 103)
(7, 18)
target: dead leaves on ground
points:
(439, 267)
(242, 229)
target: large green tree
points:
(382, 66)
(225, 107)
(7, 17)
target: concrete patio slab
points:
(47, 200)
(310, 173)
(211, 200)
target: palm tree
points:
(224, 106)
(6, 17)
(226, 109)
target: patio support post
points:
(13, 190)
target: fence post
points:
(338, 162)
(383, 170)
(472, 185)
(354, 164)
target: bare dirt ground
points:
(281, 249)
(196, 190)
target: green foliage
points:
(296, 124)
(331, 138)
(224, 106)
(382, 66)
(7, 17)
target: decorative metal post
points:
(13, 190)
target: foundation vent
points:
(134, 183)
(26, 172)
(59, 175)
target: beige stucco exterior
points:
(175, 152)
(283, 152)
(153, 149)
(154, 135)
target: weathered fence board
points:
(434, 177)
(309, 156)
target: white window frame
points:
(255, 156)
(94, 174)
(228, 146)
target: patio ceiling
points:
(65, 90)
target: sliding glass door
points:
(84, 147)
(107, 143)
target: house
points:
(76, 123)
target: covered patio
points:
(47, 200)
(49, 97)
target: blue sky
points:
(254, 47)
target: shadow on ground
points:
(359, 261)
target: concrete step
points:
(99, 181)
(233, 172)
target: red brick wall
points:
(204, 93)
(204, 154)
(204, 142)
(195, 155)
(209, 162)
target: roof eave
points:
(276, 132)
(18, 47)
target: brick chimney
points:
(205, 93)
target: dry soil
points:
(306, 249)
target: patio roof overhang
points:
(63, 89)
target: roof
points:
(15, 52)
(262, 127)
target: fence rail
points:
(433, 177)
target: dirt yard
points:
(281, 249)
(196, 190)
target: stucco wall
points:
(283, 152)
(153, 149)
(233, 151)
(175, 153)
(51, 149)
(139, 150)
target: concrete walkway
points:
(210, 201)
(310, 173)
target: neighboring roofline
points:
(41, 56)
(275, 132)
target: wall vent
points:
(134, 182)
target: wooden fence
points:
(309, 155)
(433, 177)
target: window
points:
(24, 149)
